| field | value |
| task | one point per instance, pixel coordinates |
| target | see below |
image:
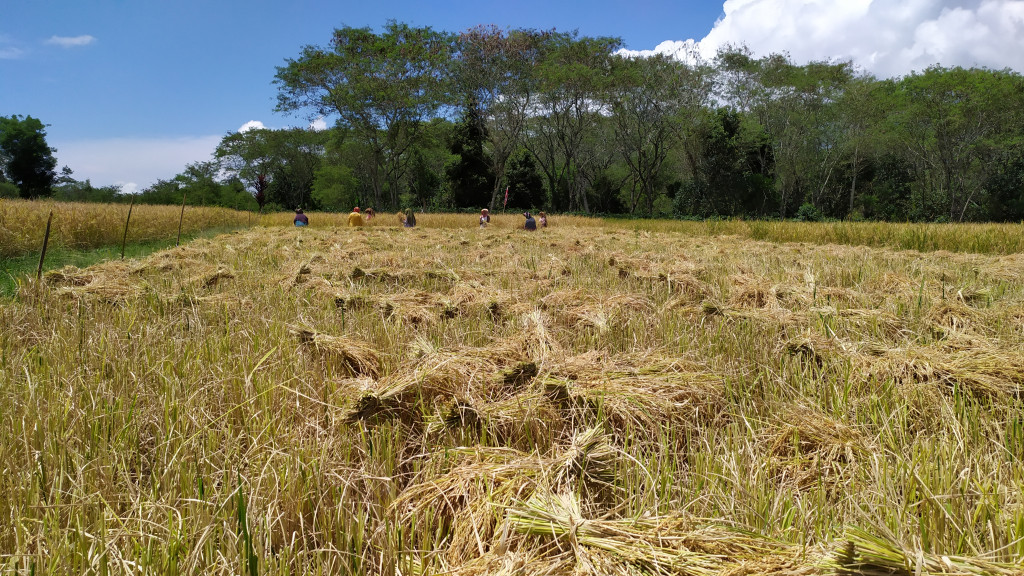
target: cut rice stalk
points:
(357, 357)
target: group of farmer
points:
(408, 218)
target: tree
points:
(469, 174)
(655, 102)
(794, 106)
(382, 87)
(278, 166)
(957, 125)
(571, 77)
(525, 186)
(25, 159)
(495, 72)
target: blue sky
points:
(132, 90)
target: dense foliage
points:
(565, 122)
(26, 160)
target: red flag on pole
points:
(503, 204)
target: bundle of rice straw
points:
(356, 357)
(469, 374)
(467, 497)
(812, 448)
(990, 372)
(110, 282)
(644, 394)
(651, 545)
(68, 276)
(873, 555)
(589, 458)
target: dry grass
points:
(449, 400)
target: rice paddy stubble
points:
(147, 406)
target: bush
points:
(808, 213)
(8, 190)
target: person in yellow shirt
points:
(355, 218)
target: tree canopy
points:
(26, 160)
(426, 118)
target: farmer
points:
(485, 217)
(370, 214)
(531, 224)
(410, 219)
(355, 218)
(542, 219)
(300, 218)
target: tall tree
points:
(495, 74)
(572, 77)
(25, 159)
(275, 165)
(469, 175)
(793, 105)
(655, 102)
(382, 87)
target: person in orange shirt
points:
(355, 218)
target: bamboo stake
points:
(46, 240)
(181, 218)
(124, 238)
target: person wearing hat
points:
(355, 218)
(300, 218)
(531, 224)
(485, 217)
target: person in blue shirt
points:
(531, 224)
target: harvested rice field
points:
(581, 400)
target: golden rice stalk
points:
(993, 373)
(989, 372)
(953, 316)
(357, 357)
(590, 457)
(440, 376)
(811, 448)
(467, 497)
(211, 280)
(68, 276)
(540, 342)
(872, 554)
(752, 292)
(635, 542)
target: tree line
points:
(442, 121)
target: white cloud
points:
(8, 52)
(885, 37)
(71, 41)
(318, 125)
(133, 163)
(251, 125)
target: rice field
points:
(593, 398)
(81, 225)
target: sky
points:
(133, 90)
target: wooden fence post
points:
(46, 240)
(181, 218)
(127, 220)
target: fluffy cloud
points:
(133, 163)
(318, 125)
(885, 37)
(71, 41)
(251, 125)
